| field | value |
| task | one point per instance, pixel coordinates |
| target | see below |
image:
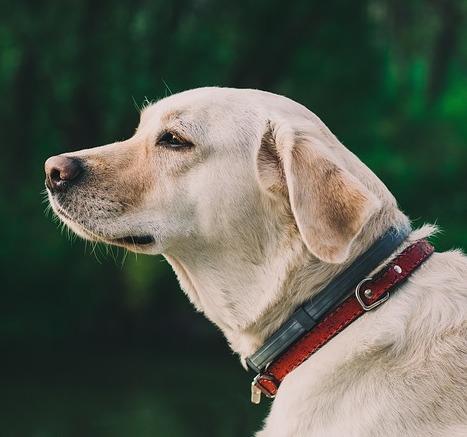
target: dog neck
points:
(249, 295)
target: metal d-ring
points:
(367, 293)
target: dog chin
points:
(77, 229)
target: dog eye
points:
(168, 139)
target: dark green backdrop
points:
(94, 346)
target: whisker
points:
(167, 87)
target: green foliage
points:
(388, 77)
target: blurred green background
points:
(96, 344)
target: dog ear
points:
(330, 206)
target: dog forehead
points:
(197, 103)
(213, 101)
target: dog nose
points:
(60, 171)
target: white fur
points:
(235, 247)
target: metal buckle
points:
(257, 389)
(368, 292)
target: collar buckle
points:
(257, 388)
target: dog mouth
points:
(132, 241)
(135, 240)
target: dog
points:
(257, 206)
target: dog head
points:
(215, 166)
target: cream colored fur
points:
(257, 217)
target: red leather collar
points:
(369, 293)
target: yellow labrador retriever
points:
(257, 206)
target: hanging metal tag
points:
(255, 393)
